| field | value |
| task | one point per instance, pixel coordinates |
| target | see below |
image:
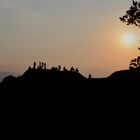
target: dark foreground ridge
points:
(53, 103)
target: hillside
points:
(52, 103)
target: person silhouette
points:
(29, 68)
(89, 76)
(64, 69)
(72, 69)
(77, 71)
(34, 65)
(39, 65)
(59, 68)
(44, 65)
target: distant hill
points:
(126, 75)
(5, 74)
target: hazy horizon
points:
(82, 33)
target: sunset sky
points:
(82, 33)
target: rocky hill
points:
(52, 103)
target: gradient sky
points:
(81, 33)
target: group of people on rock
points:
(43, 65)
(40, 66)
(64, 69)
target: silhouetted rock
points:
(53, 74)
(8, 79)
(47, 103)
(126, 74)
(5, 74)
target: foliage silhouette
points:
(135, 63)
(132, 16)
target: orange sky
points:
(82, 33)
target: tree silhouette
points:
(132, 16)
(135, 63)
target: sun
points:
(129, 39)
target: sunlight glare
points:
(129, 39)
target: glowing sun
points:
(129, 39)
